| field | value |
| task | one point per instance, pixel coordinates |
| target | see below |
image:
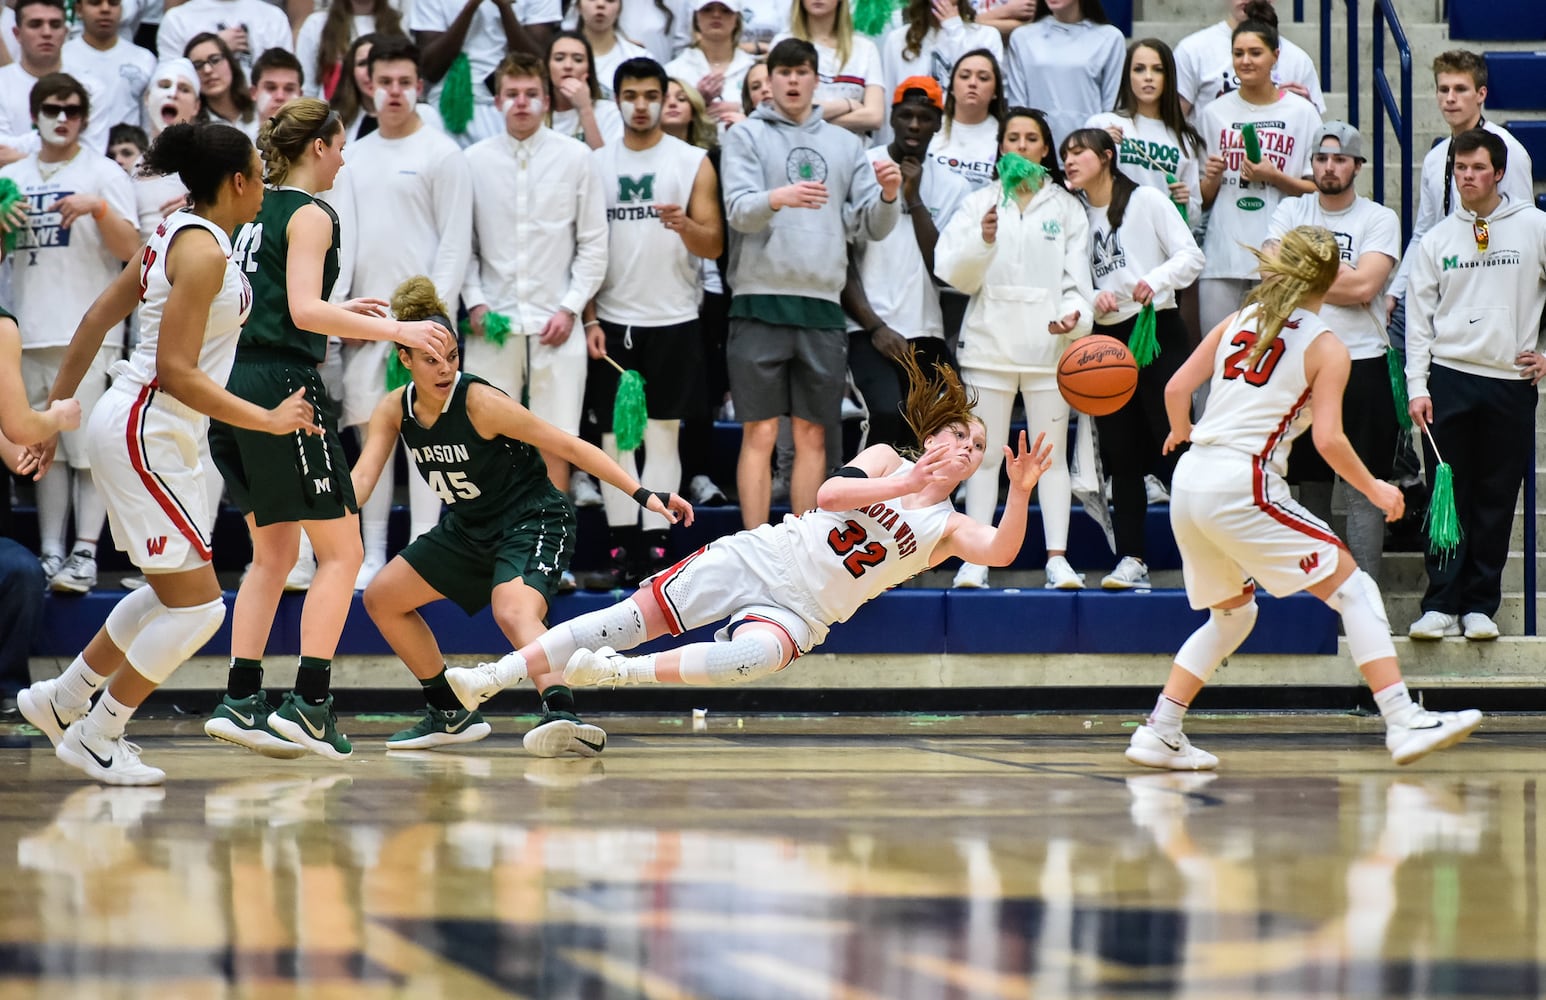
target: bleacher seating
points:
(1532, 136)
(1496, 21)
(1514, 80)
(1121, 14)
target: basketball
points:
(1097, 375)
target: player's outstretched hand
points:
(293, 414)
(368, 306)
(1026, 466)
(1389, 499)
(936, 464)
(677, 510)
(1176, 438)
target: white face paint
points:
(535, 106)
(163, 91)
(655, 107)
(46, 126)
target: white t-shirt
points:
(608, 119)
(1071, 71)
(937, 53)
(1240, 215)
(1205, 68)
(764, 20)
(606, 64)
(897, 283)
(1363, 228)
(968, 150)
(692, 65)
(124, 70)
(652, 279)
(846, 81)
(484, 47)
(1150, 150)
(57, 272)
(267, 27)
(308, 46)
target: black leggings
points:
(1131, 438)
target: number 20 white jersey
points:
(1258, 409)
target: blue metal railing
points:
(1385, 104)
(1353, 97)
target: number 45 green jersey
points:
(487, 484)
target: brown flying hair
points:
(937, 400)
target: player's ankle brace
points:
(621, 626)
(1362, 609)
(130, 616)
(173, 637)
(752, 654)
(1219, 636)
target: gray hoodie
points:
(797, 251)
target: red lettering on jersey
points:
(147, 259)
(155, 546)
(1259, 373)
(1310, 562)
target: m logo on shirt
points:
(1106, 253)
(635, 189)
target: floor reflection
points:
(889, 867)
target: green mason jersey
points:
(261, 249)
(487, 484)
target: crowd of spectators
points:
(852, 185)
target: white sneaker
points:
(592, 669)
(1156, 490)
(1428, 731)
(112, 762)
(1434, 625)
(1129, 573)
(40, 706)
(368, 570)
(1061, 576)
(584, 491)
(475, 685)
(560, 732)
(704, 492)
(1150, 749)
(851, 410)
(51, 564)
(1478, 627)
(301, 575)
(970, 577)
(77, 576)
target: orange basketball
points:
(1097, 375)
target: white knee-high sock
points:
(53, 494)
(662, 466)
(90, 512)
(621, 510)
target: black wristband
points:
(641, 496)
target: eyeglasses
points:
(203, 64)
(74, 112)
(1479, 230)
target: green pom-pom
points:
(1145, 340)
(1398, 388)
(629, 412)
(496, 328)
(1443, 521)
(396, 375)
(873, 17)
(10, 195)
(1180, 207)
(1015, 172)
(1252, 142)
(456, 95)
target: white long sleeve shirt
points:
(1036, 270)
(539, 228)
(1516, 183)
(1154, 245)
(267, 27)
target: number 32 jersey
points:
(1259, 409)
(847, 557)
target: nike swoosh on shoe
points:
(316, 733)
(598, 747)
(245, 720)
(105, 763)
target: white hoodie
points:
(1473, 311)
(1036, 271)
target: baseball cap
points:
(1347, 137)
(698, 5)
(927, 84)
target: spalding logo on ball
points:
(1097, 375)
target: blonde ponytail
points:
(284, 138)
(1305, 266)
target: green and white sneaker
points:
(314, 727)
(440, 728)
(562, 732)
(244, 721)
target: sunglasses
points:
(74, 112)
(1479, 230)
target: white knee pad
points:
(1219, 636)
(621, 626)
(751, 655)
(1362, 609)
(130, 616)
(172, 637)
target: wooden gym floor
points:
(847, 857)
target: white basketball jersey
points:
(1258, 409)
(847, 557)
(226, 314)
(652, 278)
